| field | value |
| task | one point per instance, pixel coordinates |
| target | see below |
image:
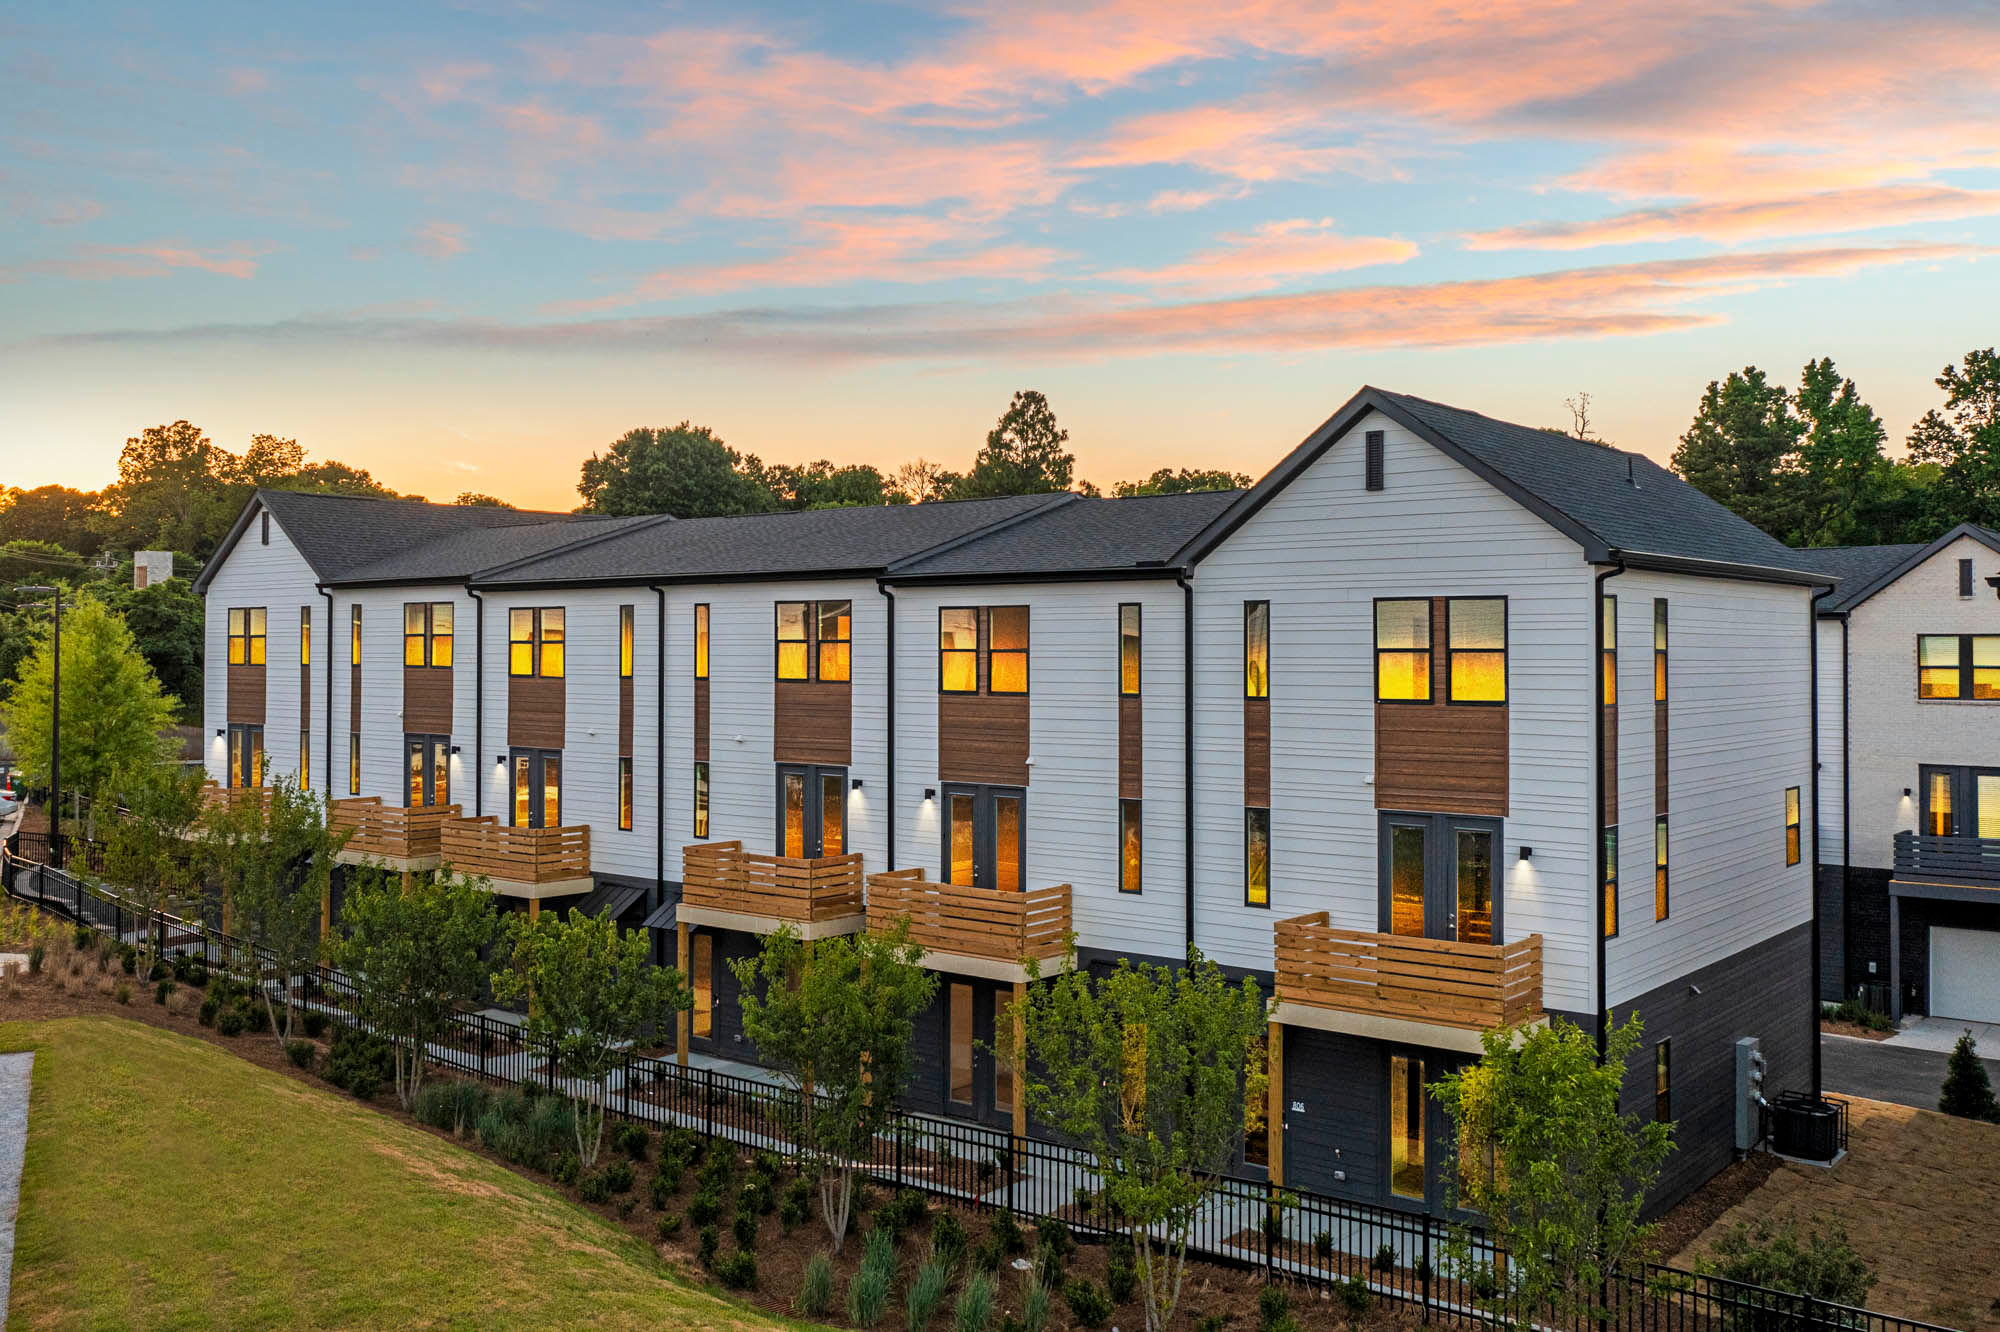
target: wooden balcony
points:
(218, 800)
(520, 862)
(390, 835)
(981, 932)
(1390, 987)
(1970, 864)
(726, 887)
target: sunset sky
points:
(465, 245)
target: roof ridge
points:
(1058, 499)
(317, 495)
(581, 543)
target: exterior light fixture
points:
(499, 760)
(930, 793)
(854, 785)
(220, 732)
(1907, 793)
(1527, 853)
(454, 751)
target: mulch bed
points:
(1699, 1210)
(1831, 1028)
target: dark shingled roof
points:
(780, 545)
(1643, 510)
(1865, 570)
(460, 555)
(1082, 536)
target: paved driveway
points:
(1885, 1071)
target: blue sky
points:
(466, 245)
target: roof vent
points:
(1631, 477)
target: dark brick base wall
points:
(1831, 902)
(1867, 919)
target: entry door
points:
(427, 762)
(978, 1085)
(812, 810)
(537, 788)
(985, 837)
(1440, 877)
(246, 756)
(1419, 1129)
(1961, 802)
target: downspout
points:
(326, 656)
(1846, 803)
(478, 700)
(889, 728)
(1812, 640)
(1597, 784)
(660, 752)
(1187, 746)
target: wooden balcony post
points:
(683, 1020)
(326, 908)
(534, 909)
(1274, 1102)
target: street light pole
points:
(55, 726)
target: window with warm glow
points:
(305, 635)
(958, 650)
(520, 641)
(413, 633)
(1257, 857)
(701, 799)
(354, 763)
(701, 642)
(836, 634)
(1791, 825)
(354, 635)
(625, 794)
(1660, 867)
(1609, 651)
(1130, 831)
(1659, 649)
(246, 636)
(625, 637)
(1128, 648)
(1007, 656)
(1476, 641)
(701, 980)
(551, 645)
(793, 659)
(1610, 883)
(536, 641)
(1403, 650)
(1256, 649)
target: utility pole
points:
(55, 725)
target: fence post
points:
(1427, 1268)
(708, 1101)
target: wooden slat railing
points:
(1476, 986)
(972, 922)
(724, 877)
(215, 796)
(1974, 861)
(391, 831)
(516, 855)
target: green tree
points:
(1743, 438)
(1543, 1152)
(1838, 473)
(474, 499)
(55, 514)
(821, 485)
(167, 620)
(684, 470)
(30, 561)
(149, 853)
(415, 955)
(1186, 481)
(113, 711)
(1151, 1070)
(1023, 453)
(1963, 440)
(1967, 1091)
(1823, 1265)
(922, 482)
(593, 995)
(272, 857)
(834, 1018)
(176, 490)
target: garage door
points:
(1965, 974)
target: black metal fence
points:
(1290, 1234)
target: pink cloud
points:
(438, 240)
(1271, 253)
(104, 262)
(1834, 211)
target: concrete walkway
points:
(14, 1078)
(1941, 1034)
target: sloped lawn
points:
(169, 1184)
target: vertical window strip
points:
(701, 798)
(1403, 650)
(1610, 883)
(1663, 1083)
(1256, 857)
(1372, 475)
(1128, 649)
(354, 635)
(1659, 649)
(305, 635)
(793, 639)
(833, 622)
(1007, 650)
(1256, 649)
(1131, 851)
(415, 618)
(305, 759)
(1791, 825)
(958, 650)
(239, 637)
(701, 641)
(1660, 867)
(1608, 689)
(625, 636)
(354, 763)
(625, 794)
(1476, 649)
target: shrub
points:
(256, 1017)
(123, 994)
(1385, 1259)
(925, 1295)
(975, 1306)
(706, 1244)
(1968, 1092)
(456, 1106)
(161, 989)
(1034, 1303)
(632, 1139)
(190, 971)
(315, 1024)
(625, 1206)
(670, 1225)
(796, 1210)
(988, 1254)
(719, 1166)
(902, 1214)
(663, 1188)
(1273, 1303)
(767, 1166)
(706, 1207)
(594, 1187)
(1088, 1303)
(1355, 1297)
(1053, 1246)
(1210, 1323)
(1121, 1278)
(358, 1062)
(745, 1229)
(230, 1023)
(1822, 1264)
(86, 937)
(948, 1240)
(500, 1134)
(756, 1197)
(868, 1295)
(619, 1175)
(551, 1130)
(739, 1270)
(1008, 1232)
(1856, 1013)
(567, 1168)
(300, 1053)
(37, 952)
(128, 960)
(1323, 1245)
(815, 1297)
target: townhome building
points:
(1445, 724)
(1908, 684)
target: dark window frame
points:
(1662, 869)
(820, 642)
(978, 644)
(1440, 865)
(254, 649)
(354, 763)
(1663, 1081)
(538, 759)
(1662, 685)
(1250, 609)
(1607, 647)
(354, 634)
(1373, 472)
(429, 635)
(701, 640)
(985, 829)
(1451, 652)
(1137, 637)
(305, 758)
(813, 835)
(780, 643)
(628, 639)
(538, 642)
(1135, 809)
(305, 635)
(1251, 818)
(1794, 836)
(1025, 651)
(1966, 670)
(699, 796)
(426, 745)
(624, 794)
(1610, 884)
(1430, 650)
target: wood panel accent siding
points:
(701, 721)
(983, 738)
(812, 721)
(1131, 749)
(1660, 757)
(246, 695)
(1441, 759)
(1609, 712)
(535, 716)
(426, 700)
(625, 716)
(1257, 752)
(354, 700)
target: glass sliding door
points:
(537, 788)
(246, 755)
(428, 761)
(985, 837)
(812, 811)
(1440, 877)
(959, 820)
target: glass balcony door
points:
(246, 755)
(978, 1084)
(537, 788)
(985, 837)
(427, 765)
(812, 811)
(1440, 877)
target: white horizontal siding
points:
(1832, 747)
(277, 578)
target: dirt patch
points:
(1831, 1028)
(448, 1180)
(1916, 1195)
(1700, 1209)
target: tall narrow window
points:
(1257, 857)
(1007, 843)
(1256, 649)
(256, 635)
(1609, 651)
(552, 643)
(792, 642)
(354, 763)
(1130, 830)
(701, 641)
(413, 633)
(832, 814)
(961, 806)
(1007, 656)
(1403, 650)
(958, 1004)
(701, 980)
(794, 815)
(264, 527)
(1663, 1083)
(1791, 825)
(520, 641)
(1472, 872)
(1659, 649)
(1476, 647)
(305, 760)
(1408, 854)
(1128, 649)
(1965, 578)
(1406, 1127)
(1660, 867)
(701, 799)
(625, 794)
(239, 637)
(1610, 883)
(305, 635)
(354, 635)
(958, 650)
(625, 634)
(836, 635)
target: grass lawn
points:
(169, 1184)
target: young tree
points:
(1967, 1091)
(834, 1019)
(821, 485)
(1023, 453)
(1150, 1070)
(112, 708)
(148, 852)
(1964, 441)
(273, 859)
(1545, 1155)
(1187, 480)
(592, 995)
(684, 470)
(923, 481)
(415, 957)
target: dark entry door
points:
(537, 788)
(1440, 877)
(978, 1084)
(812, 810)
(427, 761)
(985, 837)
(246, 755)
